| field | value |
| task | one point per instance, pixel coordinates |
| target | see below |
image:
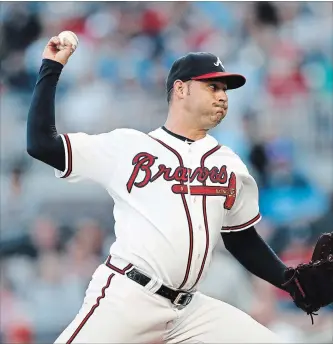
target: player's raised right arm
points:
(43, 141)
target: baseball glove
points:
(311, 285)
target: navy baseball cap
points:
(202, 66)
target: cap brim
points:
(232, 80)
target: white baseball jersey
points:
(171, 199)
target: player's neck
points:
(182, 129)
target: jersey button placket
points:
(192, 167)
(198, 232)
(189, 166)
(193, 211)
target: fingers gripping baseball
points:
(60, 48)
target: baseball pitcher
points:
(176, 190)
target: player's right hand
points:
(57, 52)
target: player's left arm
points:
(255, 255)
(309, 284)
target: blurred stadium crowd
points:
(53, 234)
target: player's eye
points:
(216, 87)
(213, 87)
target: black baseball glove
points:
(311, 285)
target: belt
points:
(178, 298)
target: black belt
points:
(178, 298)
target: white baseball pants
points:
(118, 310)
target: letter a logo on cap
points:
(218, 62)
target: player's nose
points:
(222, 96)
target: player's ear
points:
(179, 89)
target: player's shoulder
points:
(123, 134)
(233, 159)
(115, 137)
(238, 166)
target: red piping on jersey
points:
(248, 223)
(204, 209)
(112, 267)
(188, 215)
(92, 310)
(69, 158)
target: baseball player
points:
(175, 191)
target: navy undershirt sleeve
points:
(255, 255)
(43, 141)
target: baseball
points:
(70, 36)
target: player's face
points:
(208, 102)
